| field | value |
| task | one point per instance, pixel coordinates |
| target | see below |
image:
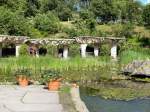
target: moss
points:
(120, 90)
(123, 93)
(65, 99)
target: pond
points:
(96, 103)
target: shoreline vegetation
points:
(125, 90)
(84, 71)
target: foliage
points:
(35, 33)
(105, 50)
(49, 75)
(72, 32)
(74, 51)
(104, 10)
(85, 14)
(13, 24)
(65, 14)
(146, 15)
(117, 89)
(136, 54)
(24, 50)
(33, 7)
(14, 5)
(141, 32)
(39, 18)
(52, 51)
(47, 22)
(49, 5)
(23, 72)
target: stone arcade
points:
(83, 41)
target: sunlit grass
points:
(131, 55)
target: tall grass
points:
(51, 62)
(9, 65)
(131, 55)
(74, 68)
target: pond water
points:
(97, 104)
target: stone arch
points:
(90, 50)
(8, 50)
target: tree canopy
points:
(39, 18)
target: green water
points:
(96, 103)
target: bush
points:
(26, 72)
(12, 23)
(105, 50)
(47, 23)
(52, 51)
(70, 31)
(35, 33)
(24, 50)
(74, 50)
(85, 14)
(65, 14)
(91, 24)
(146, 15)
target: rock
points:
(138, 68)
(132, 66)
(144, 69)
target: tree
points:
(49, 5)
(134, 11)
(14, 5)
(33, 7)
(65, 14)
(47, 22)
(104, 10)
(12, 23)
(86, 14)
(146, 15)
(91, 25)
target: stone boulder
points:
(138, 68)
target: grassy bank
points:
(81, 70)
(118, 90)
(73, 69)
(131, 55)
(9, 65)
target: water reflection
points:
(98, 104)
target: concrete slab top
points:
(28, 99)
(41, 97)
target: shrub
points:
(35, 33)
(146, 15)
(91, 24)
(13, 24)
(47, 23)
(26, 72)
(52, 50)
(85, 14)
(105, 50)
(49, 75)
(65, 14)
(74, 50)
(24, 50)
(70, 31)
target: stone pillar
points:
(17, 50)
(114, 50)
(83, 50)
(0, 50)
(37, 53)
(96, 50)
(65, 52)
